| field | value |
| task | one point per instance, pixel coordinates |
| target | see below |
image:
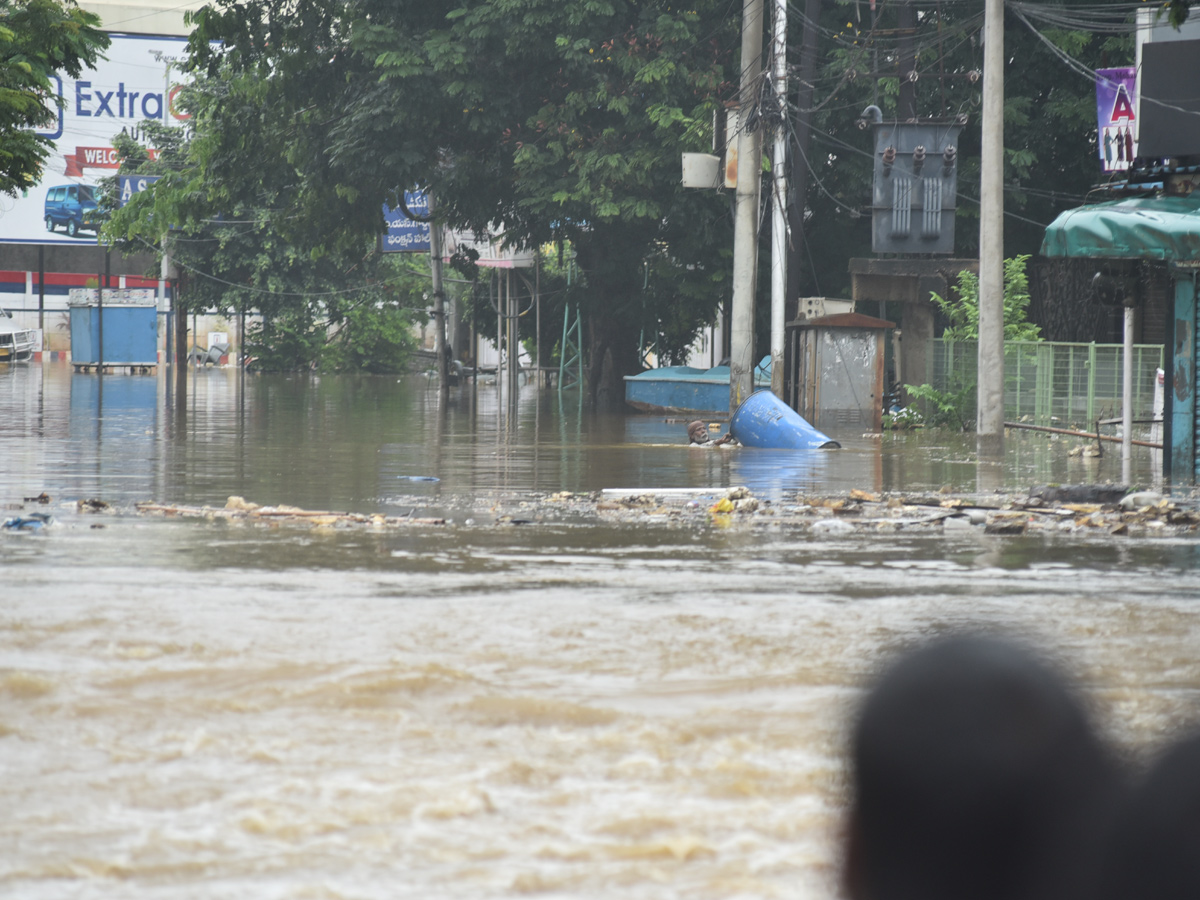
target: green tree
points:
(349, 309)
(38, 38)
(564, 122)
(956, 405)
(962, 311)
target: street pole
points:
(439, 304)
(990, 424)
(779, 243)
(1127, 399)
(800, 168)
(745, 226)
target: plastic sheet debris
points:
(31, 522)
(428, 478)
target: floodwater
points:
(574, 707)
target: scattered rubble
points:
(1078, 509)
(1089, 510)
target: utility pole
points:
(779, 242)
(439, 304)
(745, 226)
(804, 102)
(990, 424)
(906, 100)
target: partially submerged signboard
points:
(122, 91)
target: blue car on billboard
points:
(72, 206)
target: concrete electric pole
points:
(779, 223)
(745, 227)
(990, 423)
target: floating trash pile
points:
(1072, 509)
(238, 509)
(1081, 508)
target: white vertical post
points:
(990, 423)
(745, 226)
(439, 302)
(779, 243)
(1127, 400)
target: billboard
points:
(115, 96)
(1116, 117)
(1170, 104)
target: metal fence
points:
(1055, 384)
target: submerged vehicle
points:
(16, 344)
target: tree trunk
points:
(612, 354)
(614, 312)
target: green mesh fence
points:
(1055, 384)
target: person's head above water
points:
(975, 775)
(697, 432)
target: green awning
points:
(1165, 228)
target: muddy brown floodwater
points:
(588, 705)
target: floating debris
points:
(428, 478)
(237, 508)
(1079, 509)
(31, 522)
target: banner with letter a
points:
(1116, 114)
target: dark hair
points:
(1155, 851)
(976, 775)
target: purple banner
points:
(1116, 116)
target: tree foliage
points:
(962, 311)
(349, 309)
(561, 122)
(38, 39)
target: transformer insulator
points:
(949, 158)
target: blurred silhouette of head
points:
(976, 777)
(1155, 852)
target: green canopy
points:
(1136, 228)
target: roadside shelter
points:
(1154, 228)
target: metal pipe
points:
(1127, 400)
(1083, 434)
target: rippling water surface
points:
(569, 708)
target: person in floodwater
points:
(976, 775)
(698, 436)
(1155, 850)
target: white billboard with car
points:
(128, 87)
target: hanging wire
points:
(1091, 74)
